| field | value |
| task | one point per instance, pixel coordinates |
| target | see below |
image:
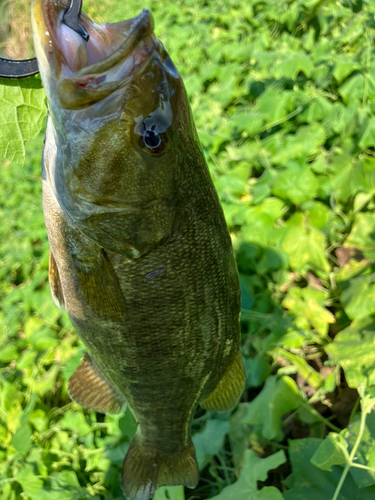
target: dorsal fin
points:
(54, 282)
(90, 389)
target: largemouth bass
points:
(140, 256)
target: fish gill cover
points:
(283, 99)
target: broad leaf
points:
(365, 454)
(307, 482)
(355, 352)
(331, 451)
(254, 469)
(170, 493)
(278, 397)
(362, 235)
(358, 299)
(22, 113)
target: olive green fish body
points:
(140, 257)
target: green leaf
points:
(344, 66)
(210, 440)
(6, 491)
(331, 451)
(296, 63)
(358, 299)
(317, 110)
(362, 235)
(311, 376)
(365, 454)
(368, 136)
(257, 369)
(350, 270)
(23, 110)
(296, 185)
(239, 435)
(21, 439)
(76, 422)
(66, 482)
(310, 303)
(127, 424)
(44, 383)
(350, 345)
(352, 90)
(73, 363)
(250, 122)
(278, 397)
(31, 485)
(307, 482)
(306, 142)
(305, 247)
(8, 353)
(254, 469)
(39, 420)
(170, 493)
(349, 177)
(273, 105)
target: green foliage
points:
(308, 482)
(283, 95)
(170, 493)
(254, 469)
(277, 398)
(23, 110)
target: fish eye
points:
(151, 141)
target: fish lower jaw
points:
(117, 72)
(108, 45)
(85, 88)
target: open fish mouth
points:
(87, 71)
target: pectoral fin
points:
(99, 288)
(229, 389)
(90, 389)
(55, 283)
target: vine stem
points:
(320, 417)
(352, 455)
(360, 466)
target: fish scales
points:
(141, 257)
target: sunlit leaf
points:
(354, 351)
(22, 112)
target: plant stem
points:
(224, 468)
(352, 455)
(354, 410)
(360, 466)
(320, 417)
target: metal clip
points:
(10, 68)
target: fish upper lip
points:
(77, 87)
(142, 27)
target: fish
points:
(140, 254)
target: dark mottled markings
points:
(151, 276)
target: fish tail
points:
(146, 469)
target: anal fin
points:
(90, 389)
(229, 389)
(55, 283)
